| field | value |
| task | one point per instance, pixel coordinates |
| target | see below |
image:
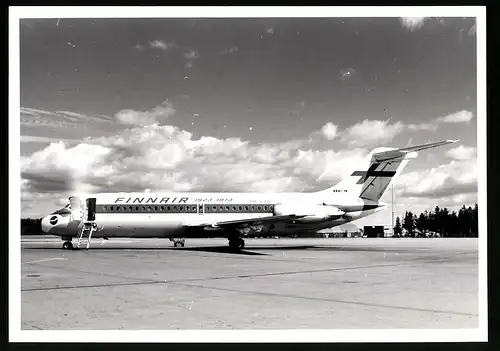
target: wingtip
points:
(453, 141)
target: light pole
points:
(392, 210)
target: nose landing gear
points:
(68, 245)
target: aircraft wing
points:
(239, 223)
(261, 220)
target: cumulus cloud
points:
(157, 115)
(412, 23)
(462, 116)
(462, 153)
(369, 132)
(161, 45)
(456, 177)
(329, 131)
(422, 126)
(457, 117)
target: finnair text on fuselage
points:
(166, 200)
(174, 200)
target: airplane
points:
(234, 216)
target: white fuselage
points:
(191, 214)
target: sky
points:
(245, 105)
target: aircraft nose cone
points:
(49, 222)
(45, 224)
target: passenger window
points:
(246, 208)
(252, 208)
(143, 208)
(105, 208)
(168, 208)
(156, 208)
(193, 208)
(181, 208)
(265, 208)
(233, 208)
(162, 208)
(259, 208)
(240, 208)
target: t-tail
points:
(370, 179)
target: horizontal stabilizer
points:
(426, 146)
(396, 153)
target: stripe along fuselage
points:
(169, 215)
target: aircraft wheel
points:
(175, 243)
(233, 244)
(236, 243)
(68, 245)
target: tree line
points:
(31, 226)
(463, 223)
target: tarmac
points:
(271, 284)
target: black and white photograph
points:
(282, 173)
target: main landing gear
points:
(236, 243)
(68, 245)
(178, 241)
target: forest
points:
(31, 226)
(463, 223)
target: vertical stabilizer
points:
(371, 179)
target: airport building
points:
(348, 230)
(377, 231)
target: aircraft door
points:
(91, 207)
(76, 208)
(200, 209)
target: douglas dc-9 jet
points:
(234, 216)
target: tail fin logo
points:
(371, 172)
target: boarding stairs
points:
(88, 228)
(84, 212)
